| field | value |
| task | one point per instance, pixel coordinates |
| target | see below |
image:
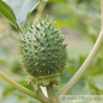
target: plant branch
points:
(68, 87)
(24, 90)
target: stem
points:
(23, 89)
(68, 87)
(51, 93)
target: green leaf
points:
(7, 12)
(22, 8)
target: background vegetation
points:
(79, 21)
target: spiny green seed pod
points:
(44, 54)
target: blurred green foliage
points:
(81, 16)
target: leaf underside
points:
(22, 8)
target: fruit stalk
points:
(51, 93)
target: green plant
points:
(70, 84)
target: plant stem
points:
(51, 93)
(68, 87)
(24, 90)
